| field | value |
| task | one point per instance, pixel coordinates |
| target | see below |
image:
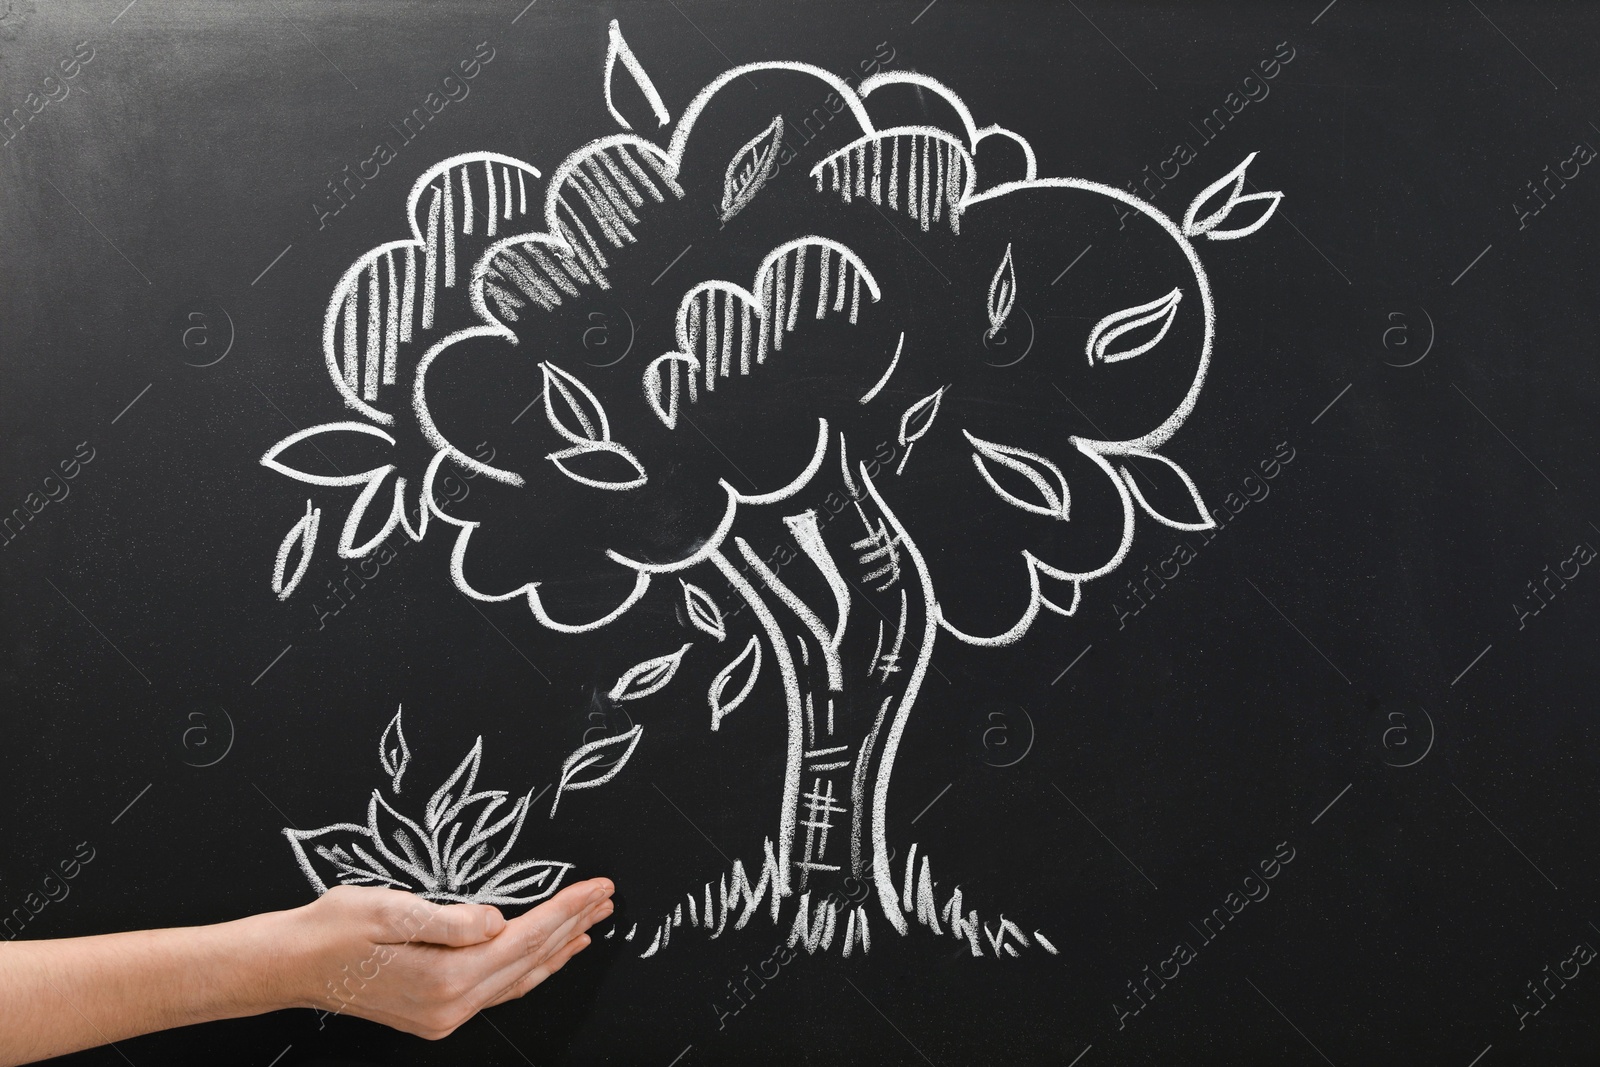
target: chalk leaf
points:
(740, 675)
(1132, 331)
(302, 536)
(750, 169)
(1044, 482)
(401, 843)
(341, 854)
(574, 412)
(578, 770)
(1002, 292)
(393, 752)
(617, 48)
(648, 677)
(1233, 184)
(1165, 491)
(448, 800)
(918, 418)
(703, 611)
(601, 465)
(345, 440)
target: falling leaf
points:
(750, 169)
(703, 611)
(1113, 327)
(304, 535)
(1045, 477)
(1002, 293)
(393, 752)
(746, 664)
(918, 420)
(645, 678)
(573, 461)
(341, 436)
(616, 49)
(574, 412)
(591, 755)
(1154, 475)
(1209, 224)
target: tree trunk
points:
(850, 673)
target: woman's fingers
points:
(551, 931)
(530, 937)
(460, 925)
(571, 901)
(521, 986)
(528, 970)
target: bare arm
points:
(377, 954)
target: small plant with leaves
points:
(461, 850)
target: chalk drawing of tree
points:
(830, 458)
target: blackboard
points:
(1205, 577)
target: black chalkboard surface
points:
(1013, 532)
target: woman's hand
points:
(425, 968)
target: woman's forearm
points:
(60, 996)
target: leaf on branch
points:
(703, 611)
(1002, 293)
(393, 752)
(1193, 227)
(586, 464)
(617, 48)
(584, 760)
(1166, 492)
(1108, 341)
(750, 169)
(1043, 477)
(574, 412)
(648, 677)
(743, 671)
(304, 536)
